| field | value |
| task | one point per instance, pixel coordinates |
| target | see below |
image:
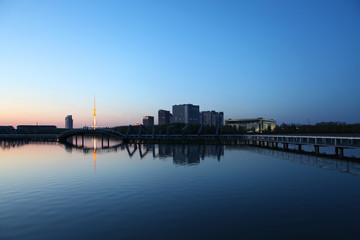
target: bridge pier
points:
(341, 150)
(82, 143)
(299, 147)
(285, 146)
(317, 149)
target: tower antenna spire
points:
(94, 119)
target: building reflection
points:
(180, 154)
(189, 154)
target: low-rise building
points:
(35, 128)
(148, 121)
(253, 124)
(7, 130)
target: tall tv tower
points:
(94, 120)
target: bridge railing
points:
(307, 140)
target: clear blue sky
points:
(287, 60)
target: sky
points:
(292, 61)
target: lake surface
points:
(53, 191)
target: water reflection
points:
(352, 167)
(181, 154)
(94, 147)
(192, 154)
(7, 144)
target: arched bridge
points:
(90, 132)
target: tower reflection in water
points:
(94, 146)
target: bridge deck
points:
(336, 141)
(319, 140)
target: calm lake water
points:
(52, 191)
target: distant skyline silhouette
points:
(292, 61)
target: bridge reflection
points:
(181, 154)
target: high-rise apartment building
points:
(212, 118)
(148, 121)
(186, 113)
(164, 117)
(69, 122)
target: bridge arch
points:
(90, 132)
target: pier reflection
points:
(352, 167)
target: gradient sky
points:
(286, 60)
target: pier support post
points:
(82, 142)
(317, 149)
(299, 147)
(341, 152)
